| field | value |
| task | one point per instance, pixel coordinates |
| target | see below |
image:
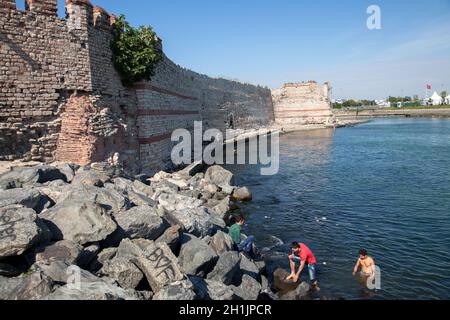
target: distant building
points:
(436, 99)
(447, 100)
(383, 103)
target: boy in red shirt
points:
(301, 253)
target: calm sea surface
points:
(384, 186)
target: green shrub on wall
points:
(136, 52)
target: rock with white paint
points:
(20, 230)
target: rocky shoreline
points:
(93, 233)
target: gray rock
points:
(176, 202)
(68, 170)
(181, 290)
(288, 290)
(63, 273)
(55, 192)
(242, 194)
(222, 209)
(20, 229)
(29, 198)
(211, 290)
(302, 292)
(226, 268)
(139, 199)
(36, 286)
(171, 237)
(7, 286)
(100, 290)
(219, 176)
(127, 275)
(249, 290)
(159, 265)
(140, 187)
(65, 250)
(180, 183)
(196, 257)
(93, 224)
(31, 176)
(248, 267)
(196, 221)
(193, 168)
(106, 254)
(122, 184)
(141, 222)
(110, 200)
(85, 177)
(221, 243)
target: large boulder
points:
(171, 237)
(62, 272)
(80, 221)
(196, 221)
(127, 275)
(288, 290)
(36, 286)
(220, 208)
(177, 202)
(66, 250)
(219, 176)
(249, 267)
(242, 194)
(68, 170)
(20, 229)
(302, 292)
(29, 198)
(110, 200)
(86, 177)
(142, 188)
(249, 289)
(156, 260)
(226, 267)
(7, 286)
(196, 257)
(221, 243)
(193, 169)
(177, 291)
(141, 222)
(32, 176)
(100, 290)
(211, 290)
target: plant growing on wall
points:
(136, 52)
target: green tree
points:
(444, 94)
(136, 52)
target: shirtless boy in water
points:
(366, 263)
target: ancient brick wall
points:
(45, 61)
(176, 97)
(62, 99)
(302, 104)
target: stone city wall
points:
(302, 104)
(61, 98)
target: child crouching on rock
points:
(247, 246)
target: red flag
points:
(428, 87)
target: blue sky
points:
(270, 42)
